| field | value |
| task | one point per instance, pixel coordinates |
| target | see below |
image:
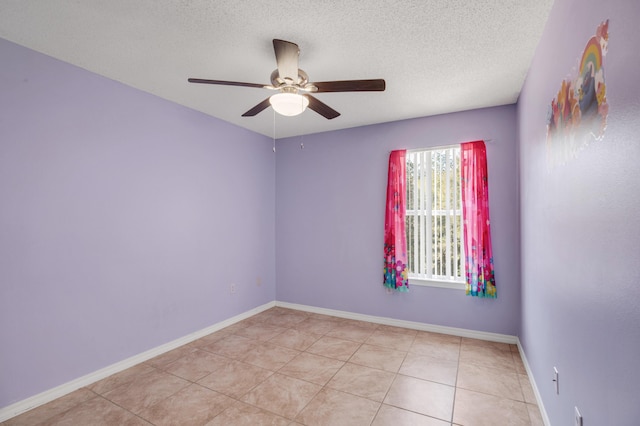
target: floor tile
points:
(488, 356)
(330, 407)
(295, 339)
(262, 317)
(332, 347)
(96, 412)
(393, 329)
(424, 397)
(388, 339)
(428, 368)
(146, 391)
(351, 332)
(210, 338)
(534, 415)
(279, 310)
(120, 378)
(527, 389)
(193, 405)
(51, 409)
(315, 326)
(288, 367)
(247, 322)
(312, 368)
(236, 379)
(430, 337)
(427, 345)
(241, 414)
(477, 409)
(323, 317)
(232, 346)
(517, 361)
(282, 395)
(269, 356)
(378, 357)
(196, 365)
(286, 320)
(362, 381)
(161, 361)
(357, 323)
(236, 327)
(489, 380)
(261, 332)
(393, 416)
(505, 347)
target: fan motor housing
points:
(279, 82)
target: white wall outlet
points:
(577, 417)
(555, 380)
(258, 281)
(232, 288)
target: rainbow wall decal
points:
(592, 56)
(579, 111)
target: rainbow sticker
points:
(579, 111)
(592, 55)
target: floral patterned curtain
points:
(475, 211)
(396, 275)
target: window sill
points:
(453, 285)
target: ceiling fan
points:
(293, 86)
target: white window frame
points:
(424, 204)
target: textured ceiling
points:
(437, 56)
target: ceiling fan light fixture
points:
(289, 104)
(289, 80)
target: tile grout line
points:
(455, 387)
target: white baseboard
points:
(482, 335)
(543, 412)
(66, 388)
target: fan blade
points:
(321, 108)
(228, 83)
(287, 59)
(377, 85)
(257, 109)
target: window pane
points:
(433, 217)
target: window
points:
(435, 249)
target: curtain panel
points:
(396, 274)
(475, 211)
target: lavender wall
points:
(580, 227)
(330, 220)
(123, 220)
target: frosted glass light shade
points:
(288, 104)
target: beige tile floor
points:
(286, 367)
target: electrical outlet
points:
(577, 417)
(258, 281)
(555, 380)
(232, 288)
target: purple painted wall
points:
(123, 220)
(330, 199)
(580, 227)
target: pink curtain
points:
(475, 211)
(396, 275)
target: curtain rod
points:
(442, 146)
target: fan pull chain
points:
(274, 130)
